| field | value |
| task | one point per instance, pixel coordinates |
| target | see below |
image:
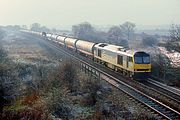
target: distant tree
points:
(175, 32)
(35, 27)
(149, 41)
(44, 29)
(83, 30)
(114, 33)
(87, 32)
(128, 29)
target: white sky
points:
(99, 12)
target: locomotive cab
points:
(142, 65)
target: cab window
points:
(146, 60)
(138, 60)
(142, 58)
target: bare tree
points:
(128, 29)
(35, 27)
(114, 33)
(45, 29)
(175, 32)
(83, 30)
(174, 43)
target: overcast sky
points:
(99, 12)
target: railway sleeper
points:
(159, 117)
(157, 107)
(150, 103)
(171, 116)
(167, 112)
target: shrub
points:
(23, 115)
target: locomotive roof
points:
(115, 48)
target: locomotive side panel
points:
(113, 58)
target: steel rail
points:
(164, 87)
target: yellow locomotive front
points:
(142, 65)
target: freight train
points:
(135, 64)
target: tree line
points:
(119, 35)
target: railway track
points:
(173, 92)
(162, 110)
(168, 96)
(163, 96)
(159, 94)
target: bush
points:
(91, 87)
(67, 74)
(56, 88)
(23, 115)
(170, 46)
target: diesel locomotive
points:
(135, 64)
